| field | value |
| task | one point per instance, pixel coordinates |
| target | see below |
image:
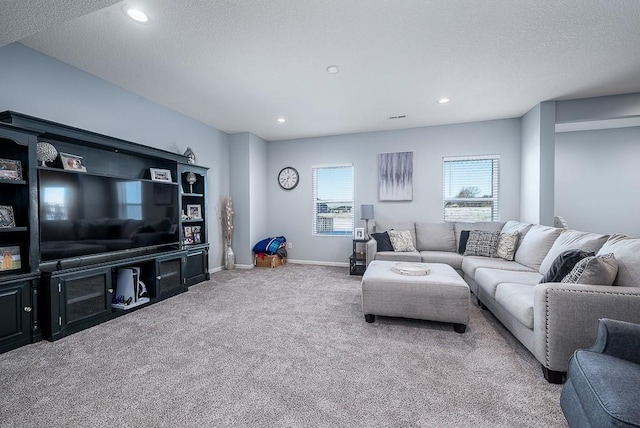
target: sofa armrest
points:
(372, 249)
(619, 339)
(566, 317)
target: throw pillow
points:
(384, 243)
(596, 270)
(482, 243)
(464, 237)
(401, 240)
(506, 247)
(563, 264)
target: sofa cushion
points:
(536, 244)
(471, 263)
(383, 242)
(404, 256)
(490, 226)
(516, 226)
(572, 240)
(517, 299)
(401, 240)
(488, 279)
(447, 257)
(435, 237)
(385, 226)
(627, 253)
(507, 244)
(482, 243)
(563, 264)
(596, 270)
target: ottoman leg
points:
(369, 318)
(459, 328)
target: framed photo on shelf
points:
(359, 233)
(10, 257)
(72, 162)
(10, 169)
(158, 174)
(197, 235)
(188, 235)
(194, 211)
(6, 216)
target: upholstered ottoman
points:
(441, 295)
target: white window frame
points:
(346, 218)
(494, 199)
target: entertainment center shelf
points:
(92, 227)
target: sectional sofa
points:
(551, 319)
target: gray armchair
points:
(603, 382)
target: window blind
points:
(471, 188)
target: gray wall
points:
(290, 212)
(597, 177)
(537, 164)
(38, 85)
(248, 155)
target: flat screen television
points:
(87, 218)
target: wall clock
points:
(288, 178)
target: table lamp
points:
(366, 214)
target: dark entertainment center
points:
(76, 226)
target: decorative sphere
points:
(45, 152)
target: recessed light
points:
(333, 69)
(443, 100)
(137, 15)
(281, 120)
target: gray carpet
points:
(284, 347)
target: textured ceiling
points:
(239, 65)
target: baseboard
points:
(236, 266)
(293, 261)
(315, 262)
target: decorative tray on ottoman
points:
(411, 269)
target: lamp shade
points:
(366, 212)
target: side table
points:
(358, 257)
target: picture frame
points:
(10, 258)
(359, 233)
(187, 235)
(197, 234)
(7, 219)
(72, 162)
(194, 211)
(10, 169)
(159, 174)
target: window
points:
(470, 188)
(333, 200)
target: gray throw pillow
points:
(596, 270)
(482, 243)
(563, 264)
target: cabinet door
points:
(15, 315)
(197, 269)
(170, 277)
(83, 300)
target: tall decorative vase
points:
(227, 228)
(229, 258)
